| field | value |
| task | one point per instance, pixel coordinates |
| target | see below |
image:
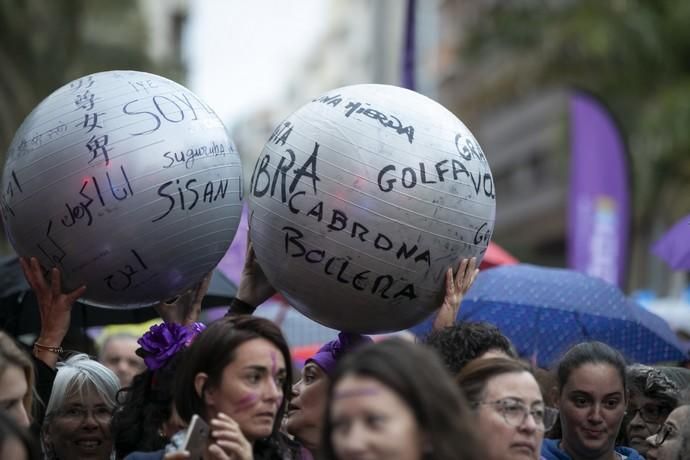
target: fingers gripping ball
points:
(127, 182)
(362, 199)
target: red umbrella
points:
(496, 255)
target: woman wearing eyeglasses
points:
(509, 407)
(79, 411)
(654, 393)
(672, 442)
(592, 398)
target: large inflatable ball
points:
(125, 181)
(362, 199)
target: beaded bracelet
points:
(56, 350)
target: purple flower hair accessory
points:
(164, 340)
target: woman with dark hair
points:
(16, 442)
(592, 397)
(309, 394)
(236, 376)
(394, 399)
(510, 410)
(146, 418)
(654, 393)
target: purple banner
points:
(598, 209)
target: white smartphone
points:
(196, 438)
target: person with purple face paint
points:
(236, 376)
(394, 400)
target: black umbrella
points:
(19, 309)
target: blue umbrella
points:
(544, 311)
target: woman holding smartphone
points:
(307, 406)
(236, 376)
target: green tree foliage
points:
(634, 54)
(45, 44)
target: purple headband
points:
(328, 355)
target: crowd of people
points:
(228, 390)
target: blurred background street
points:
(511, 71)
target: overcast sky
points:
(239, 53)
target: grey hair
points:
(666, 384)
(76, 373)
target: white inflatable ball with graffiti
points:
(360, 201)
(127, 182)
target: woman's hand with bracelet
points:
(55, 308)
